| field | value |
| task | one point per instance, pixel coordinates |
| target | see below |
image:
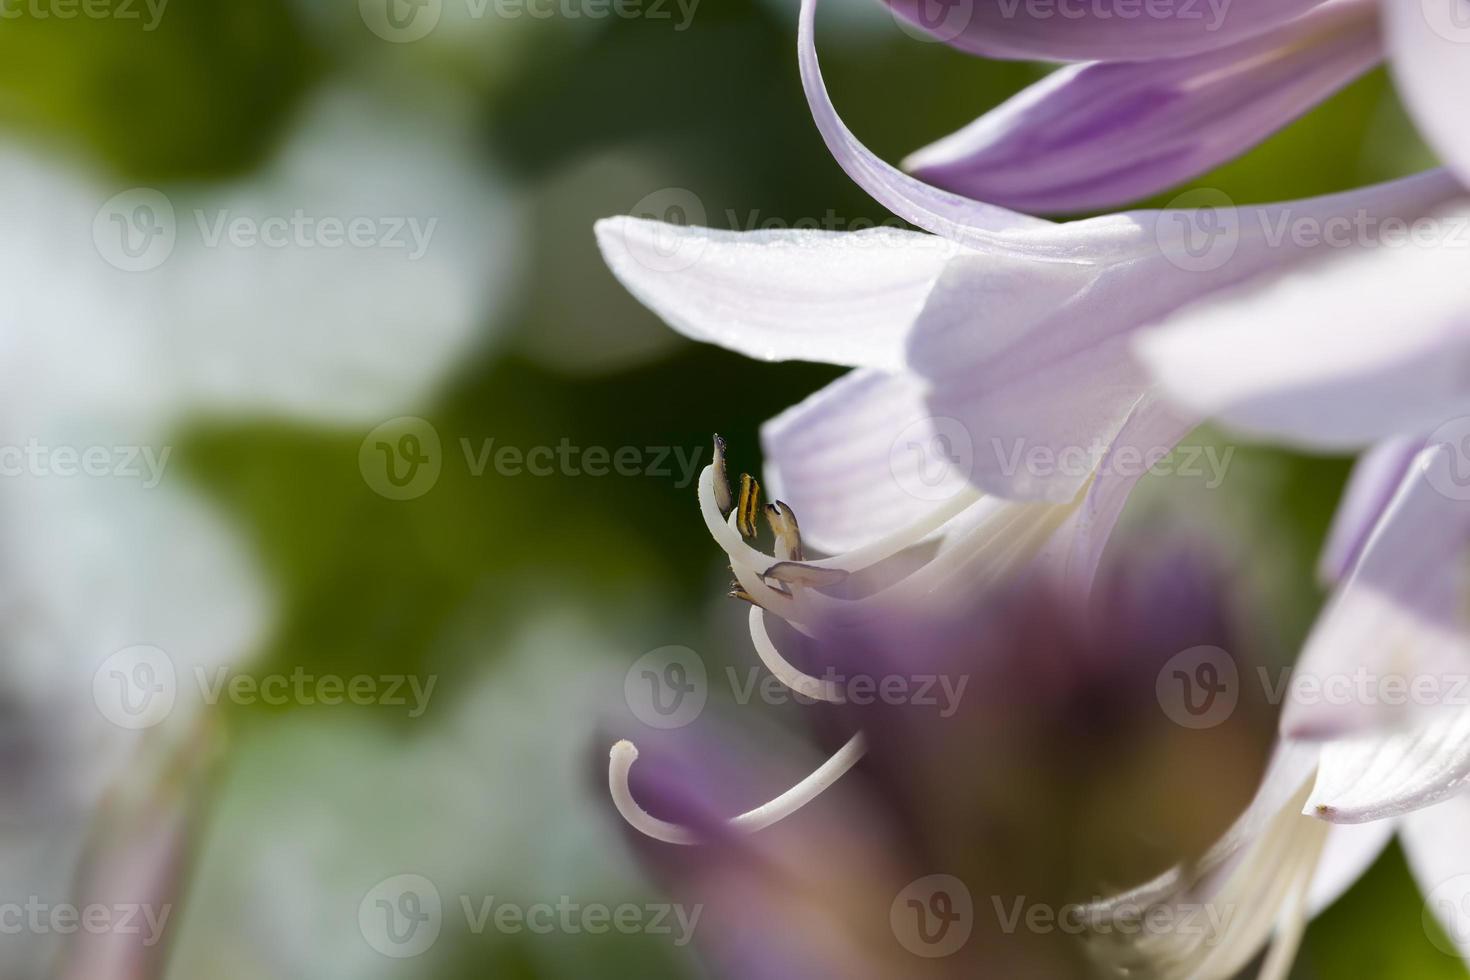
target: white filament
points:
(804, 684)
(625, 753)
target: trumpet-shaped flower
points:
(992, 336)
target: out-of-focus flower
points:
(285, 887)
(1053, 773)
(124, 316)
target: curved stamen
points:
(625, 753)
(781, 669)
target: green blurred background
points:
(528, 597)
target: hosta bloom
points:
(995, 332)
(1160, 97)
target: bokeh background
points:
(273, 545)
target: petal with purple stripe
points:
(1088, 30)
(1101, 134)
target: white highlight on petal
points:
(831, 297)
(625, 753)
(1253, 884)
(1374, 778)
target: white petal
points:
(1373, 778)
(845, 461)
(1438, 851)
(1429, 49)
(1245, 883)
(1371, 487)
(1393, 647)
(781, 295)
(1336, 354)
(1077, 549)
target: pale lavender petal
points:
(1374, 778)
(1337, 354)
(1429, 50)
(1084, 30)
(1102, 134)
(960, 219)
(1400, 617)
(1375, 479)
(839, 459)
(1035, 355)
(778, 295)
(1350, 851)
(1438, 851)
(1076, 550)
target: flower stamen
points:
(625, 753)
